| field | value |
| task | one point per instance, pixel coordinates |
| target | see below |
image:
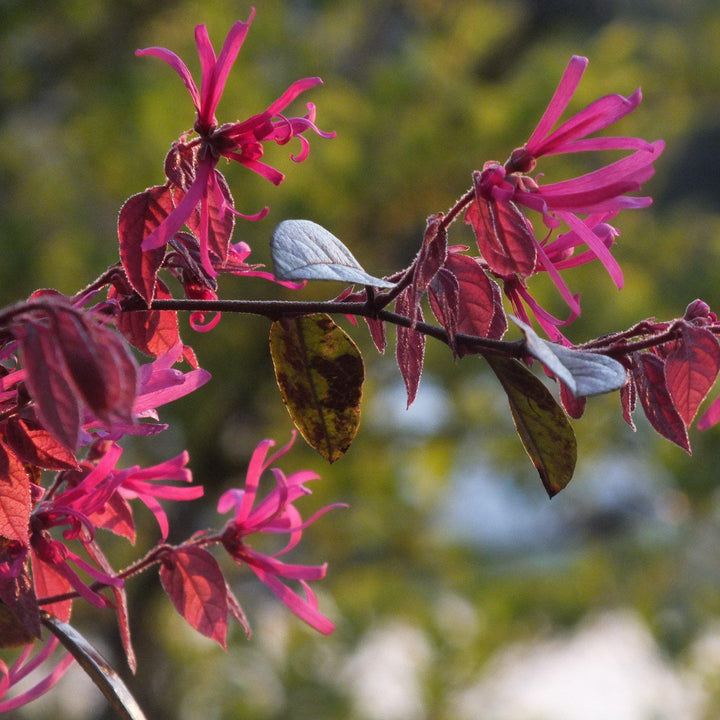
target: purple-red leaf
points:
(58, 408)
(121, 608)
(649, 375)
(221, 220)
(691, 369)
(237, 612)
(50, 583)
(628, 398)
(504, 237)
(139, 216)
(480, 310)
(33, 444)
(181, 165)
(195, 583)
(430, 259)
(153, 332)
(15, 501)
(444, 296)
(119, 374)
(410, 346)
(574, 407)
(19, 612)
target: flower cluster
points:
(584, 205)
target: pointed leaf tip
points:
(543, 427)
(304, 250)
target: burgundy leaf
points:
(649, 376)
(181, 164)
(444, 296)
(499, 325)
(98, 364)
(73, 334)
(237, 612)
(691, 369)
(375, 326)
(33, 444)
(139, 216)
(410, 346)
(22, 625)
(221, 220)
(185, 262)
(195, 583)
(628, 397)
(116, 516)
(431, 257)
(504, 236)
(153, 332)
(120, 375)
(574, 407)
(50, 583)
(476, 304)
(121, 608)
(58, 408)
(15, 501)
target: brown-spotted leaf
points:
(649, 375)
(97, 667)
(691, 369)
(542, 425)
(320, 374)
(139, 216)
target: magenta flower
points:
(242, 142)
(26, 664)
(275, 513)
(506, 237)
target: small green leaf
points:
(97, 667)
(542, 425)
(320, 374)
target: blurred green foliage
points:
(421, 93)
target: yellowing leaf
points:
(320, 374)
(541, 423)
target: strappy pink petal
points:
(297, 88)
(596, 245)
(228, 55)
(597, 116)
(306, 610)
(565, 90)
(162, 234)
(558, 281)
(178, 66)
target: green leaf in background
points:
(320, 374)
(542, 425)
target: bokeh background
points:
(459, 590)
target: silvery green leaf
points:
(304, 250)
(584, 373)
